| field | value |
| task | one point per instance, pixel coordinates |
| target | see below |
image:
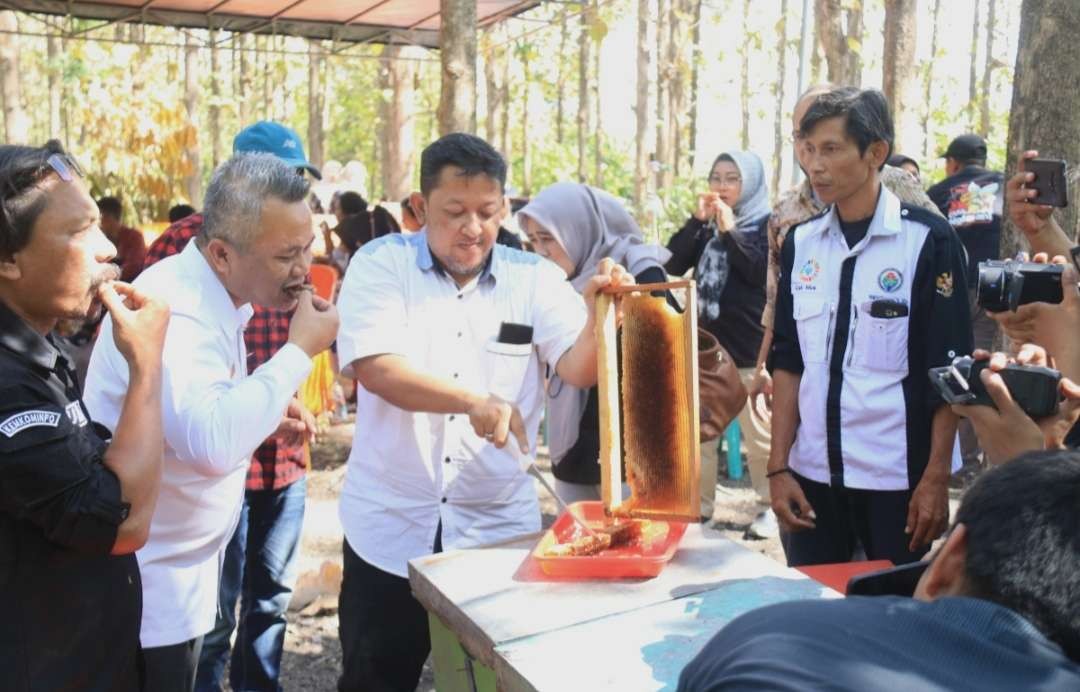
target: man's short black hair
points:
(21, 169)
(468, 152)
(351, 203)
(866, 116)
(111, 206)
(1023, 541)
(180, 211)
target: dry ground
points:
(312, 657)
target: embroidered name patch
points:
(890, 280)
(29, 419)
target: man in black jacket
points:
(971, 197)
(73, 507)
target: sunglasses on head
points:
(64, 165)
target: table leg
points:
(455, 670)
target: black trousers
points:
(172, 668)
(847, 517)
(383, 629)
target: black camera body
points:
(1032, 387)
(1008, 284)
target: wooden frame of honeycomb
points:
(656, 394)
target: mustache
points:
(110, 272)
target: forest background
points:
(634, 96)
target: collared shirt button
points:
(903, 212)
(444, 500)
(451, 417)
(459, 335)
(455, 375)
(460, 296)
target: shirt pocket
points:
(507, 366)
(881, 343)
(812, 322)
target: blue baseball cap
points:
(273, 138)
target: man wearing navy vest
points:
(871, 295)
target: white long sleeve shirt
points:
(214, 416)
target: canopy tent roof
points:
(370, 21)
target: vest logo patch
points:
(75, 414)
(29, 419)
(809, 271)
(890, 280)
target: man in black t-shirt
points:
(971, 198)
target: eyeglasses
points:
(65, 166)
(730, 180)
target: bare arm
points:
(390, 378)
(928, 511)
(793, 510)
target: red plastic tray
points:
(644, 558)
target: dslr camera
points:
(1033, 388)
(1008, 284)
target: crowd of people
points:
(153, 506)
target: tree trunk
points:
(853, 41)
(779, 121)
(16, 125)
(663, 92)
(55, 86)
(583, 99)
(841, 45)
(495, 103)
(680, 50)
(973, 94)
(267, 104)
(928, 141)
(526, 150)
(214, 111)
(744, 83)
(399, 86)
(243, 90)
(1045, 118)
(316, 103)
(598, 121)
(807, 46)
(695, 72)
(898, 78)
(641, 108)
(560, 82)
(193, 180)
(988, 71)
(504, 96)
(457, 42)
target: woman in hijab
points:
(575, 226)
(725, 243)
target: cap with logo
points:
(966, 148)
(279, 140)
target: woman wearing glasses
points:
(724, 242)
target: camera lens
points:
(991, 292)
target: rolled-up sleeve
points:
(374, 318)
(52, 476)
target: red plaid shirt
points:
(275, 463)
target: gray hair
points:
(239, 188)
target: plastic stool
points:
(733, 440)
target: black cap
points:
(966, 148)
